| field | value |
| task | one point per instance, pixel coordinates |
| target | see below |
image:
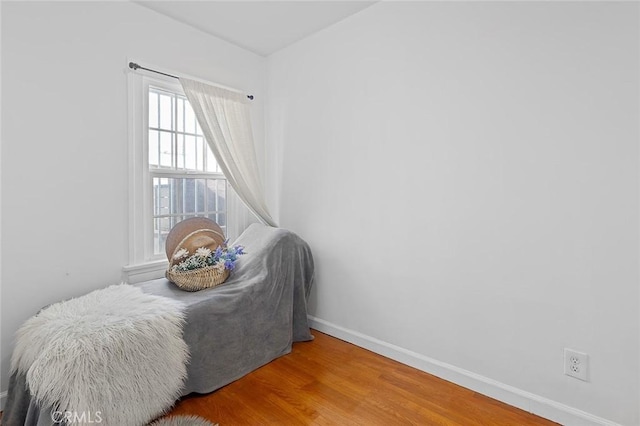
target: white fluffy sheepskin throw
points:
(115, 353)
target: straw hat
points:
(191, 234)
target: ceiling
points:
(262, 27)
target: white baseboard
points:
(519, 398)
(3, 399)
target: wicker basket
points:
(198, 279)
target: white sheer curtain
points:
(224, 118)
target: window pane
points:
(189, 195)
(200, 195)
(212, 195)
(200, 150)
(180, 155)
(166, 150)
(161, 194)
(156, 189)
(161, 229)
(180, 115)
(174, 222)
(175, 199)
(222, 195)
(190, 153)
(165, 112)
(154, 148)
(216, 195)
(189, 119)
(153, 109)
(220, 219)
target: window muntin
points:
(175, 138)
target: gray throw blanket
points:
(232, 329)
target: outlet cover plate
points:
(576, 364)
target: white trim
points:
(142, 259)
(519, 398)
(137, 273)
(3, 399)
(136, 170)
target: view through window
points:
(186, 178)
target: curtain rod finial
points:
(250, 97)
(133, 65)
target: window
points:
(185, 177)
(173, 174)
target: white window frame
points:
(143, 263)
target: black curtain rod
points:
(135, 66)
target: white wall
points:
(467, 176)
(64, 139)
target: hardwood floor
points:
(331, 382)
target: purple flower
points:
(217, 253)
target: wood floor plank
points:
(331, 382)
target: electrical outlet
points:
(576, 364)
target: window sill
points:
(140, 272)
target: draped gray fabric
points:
(231, 329)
